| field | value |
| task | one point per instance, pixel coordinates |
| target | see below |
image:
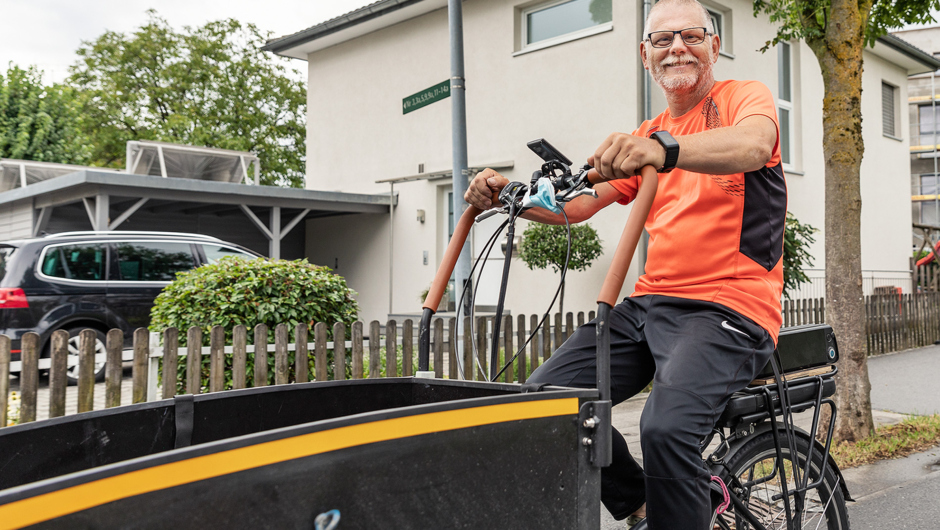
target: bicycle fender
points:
(765, 427)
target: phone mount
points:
(556, 166)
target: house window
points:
(889, 106)
(927, 120)
(785, 101)
(927, 125)
(928, 185)
(562, 20)
(717, 25)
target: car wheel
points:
(74, 344)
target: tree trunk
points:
(839, 53)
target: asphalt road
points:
(906, 382)
(910, 506)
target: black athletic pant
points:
(697, 354)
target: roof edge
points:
(908, 49)
(335, 25)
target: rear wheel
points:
(74, 349)
(824, 506)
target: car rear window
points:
(215, 252)
(153, 261)
(82, 261)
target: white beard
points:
(680, 82)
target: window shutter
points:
(887, 109)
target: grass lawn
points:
(912, 435)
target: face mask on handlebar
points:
(544, 197)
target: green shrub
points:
(237, 291)
(546, 246)
(797, 238)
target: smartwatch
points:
(672, 150)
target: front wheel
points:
(824, 506)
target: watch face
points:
(666, 139)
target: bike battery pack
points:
(803, 347)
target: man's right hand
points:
(483, 187)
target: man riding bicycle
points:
(704, 318)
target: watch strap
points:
(672, 150)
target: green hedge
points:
(237, 291)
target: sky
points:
(46, 33)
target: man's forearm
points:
(541, 215)
(745, 147)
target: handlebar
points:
(566, 187)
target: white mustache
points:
(681, 59)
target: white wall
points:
(886, 195)
(573, 94)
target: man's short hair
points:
(691, 4)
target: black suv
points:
(97, 280)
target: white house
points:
(568, 71)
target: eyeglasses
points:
(664, 39)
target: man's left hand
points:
(623, 155)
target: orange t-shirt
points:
(718, 238)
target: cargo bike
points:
(415, 452)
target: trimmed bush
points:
(237, 291)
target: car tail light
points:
(13, 298)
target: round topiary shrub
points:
(237, 291)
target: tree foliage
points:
(809, 19)
(209, 86)
(37, 122)
(237, 291)
(545, 246)
(796, 241)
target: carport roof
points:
(74, 187)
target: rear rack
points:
(750, 406)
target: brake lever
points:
(489, 213)
(582, 187)
(578, 193)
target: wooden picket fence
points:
(394, 343)
(900, 321)
(804, 311)
(894, 322)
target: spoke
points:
(831, 495)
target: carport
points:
(266, 219)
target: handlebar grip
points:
(617, 272)
(457, 240)
(595, 178)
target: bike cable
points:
(476, 287)
(561, 283)
(486, 249)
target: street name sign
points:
(426, 97)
